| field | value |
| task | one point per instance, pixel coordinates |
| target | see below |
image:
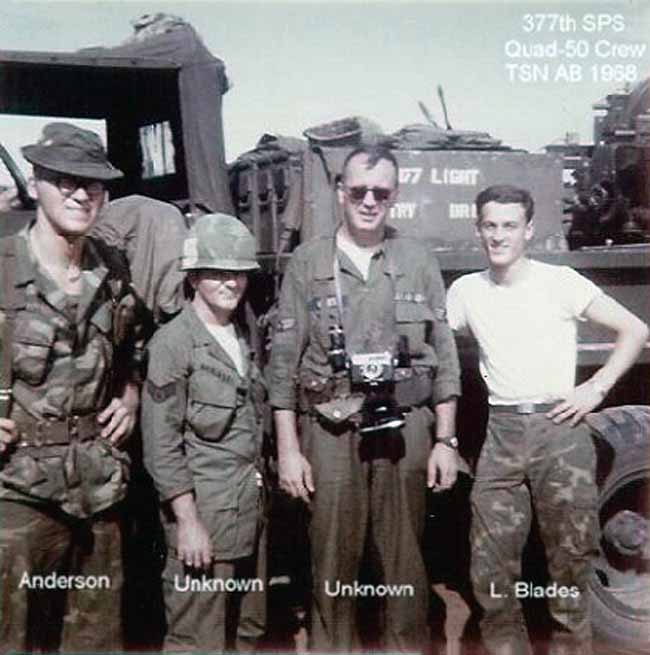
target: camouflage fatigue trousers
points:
(524, 458)
(51, 565)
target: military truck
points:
(160, 99)
(592, 213)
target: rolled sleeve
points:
(164, 401)
(447, 382)
(289, 337)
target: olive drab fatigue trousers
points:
(368, 488)
(211, 621)
(524, 458)
(35, 541)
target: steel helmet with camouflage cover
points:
(219, 241)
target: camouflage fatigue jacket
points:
(201, 429)
(403, 295)
(65, 353)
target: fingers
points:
(567, 411)
(296, 478)
(120, 421)
(199, 558)
(296, 489)
(8, 433)
(309, 479)
(448, 478)
(442, 469)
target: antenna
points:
(441, 95)
(427, 114)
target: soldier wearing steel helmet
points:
(202, 441)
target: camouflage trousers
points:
(528, 458)
(61, 580)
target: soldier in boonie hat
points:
(63, 413)
(66, 148)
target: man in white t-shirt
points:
(524, 316)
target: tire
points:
(620, 626)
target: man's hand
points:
(120, 417)
(194, 547)
(442, 468)
(294, 472)
(584, 398)
(8, 433)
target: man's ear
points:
(338, 185)
(530, 230)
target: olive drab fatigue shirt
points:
(403, 295)
(201, 426)
(65, 350)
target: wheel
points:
(620, 583)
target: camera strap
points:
(337, 286)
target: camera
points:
(375, 374)
(371, 368)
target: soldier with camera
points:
(363, 367)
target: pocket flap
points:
(411, 312)
(208, 390)
(103, 319)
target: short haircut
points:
(374, 154)
(506, 194)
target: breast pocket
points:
(33, 349)
(415, 321)
(211, 406)
(100, 342)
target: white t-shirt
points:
(359, 255)
(527, 332)
(226, 336)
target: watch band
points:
(450, 442)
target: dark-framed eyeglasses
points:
(357, 194)
(68, 184)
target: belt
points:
(56, 432)
(523, 408)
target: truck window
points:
(157, 150)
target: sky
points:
(297, 64)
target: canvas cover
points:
(169, 76)
(202, 82)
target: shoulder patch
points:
(440, 313)
(160, 394)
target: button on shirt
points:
(403, 293)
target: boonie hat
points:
(66, 148)
(219, 241)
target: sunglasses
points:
(357, 194)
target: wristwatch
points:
(450, 442)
